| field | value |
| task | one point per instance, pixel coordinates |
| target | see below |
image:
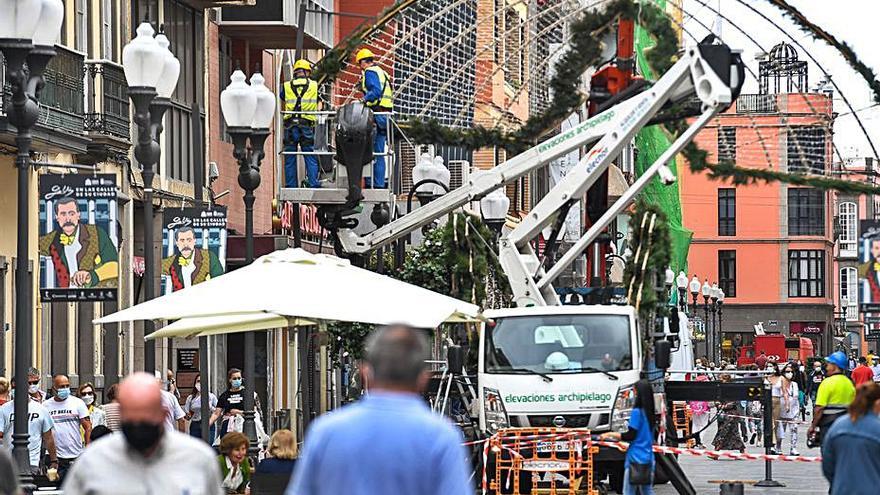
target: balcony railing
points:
(107, 99)
(61, 101)
(756, 104)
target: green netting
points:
(652, 142)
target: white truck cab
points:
(558, 366)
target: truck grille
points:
(593, 421)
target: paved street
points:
(799, 478)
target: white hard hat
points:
(556, 361)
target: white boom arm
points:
(613, 129)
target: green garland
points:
(348, 337)
(656, 246)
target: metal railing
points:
(61, 100)
(757, 103)
(107, 99)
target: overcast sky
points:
(852, 21)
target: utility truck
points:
(543, 363)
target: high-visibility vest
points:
(301, 95)
(385, 101)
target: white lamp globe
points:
(142, 59)
(494, 206)
(443, 176)
(171, 69)
(265, 102)
(706, 289)
(695, 285)
(238, 102)
(681, 281)
(423, 170)
(51, 19)
(20, 18)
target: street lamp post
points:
(720, 303)
(493, 209)
(151, 72)
(28, 29)
(713, 307)
(248, 111)
(681, 282)
(706, 289)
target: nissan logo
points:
(558, 421)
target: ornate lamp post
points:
(151, 72)
(681, 282)
(713, 307)
(720, 302)
(706, 290)
(248, 111)
(493, 208)
(28, 29)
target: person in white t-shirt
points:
(39, 432)
(68, 413)
(174, 414)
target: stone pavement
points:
(800, 478)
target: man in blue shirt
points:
(378, 96)
(389, 442)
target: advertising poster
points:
(193, 246)
(79, 240)
(869, 266)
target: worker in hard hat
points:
(376, 85)
(300, 95)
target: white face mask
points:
(88, 399)
(34, 388)
(788, 375)
(198, 387)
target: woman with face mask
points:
(773, 376)
(193, 409)
(787, 389)
(230, 405)
(86, 392)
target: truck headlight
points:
(623, 405)
(493, 408)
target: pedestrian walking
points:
(231, 402)
(300, 94)
(4, 391)
(699, 415)
(813, 380)
(282, 454)
(728, 435)
(193, 409)
(835, 394)
(86, 392)
(378, 96)
(72, 427)
(389, 441)
(638, 475)
(111, 408)
(171, 384)
(851, 449)
(146, 457)
(788, 412)
(875, 368)
(174, 415)
(235, 467)
(862, 373)
(39, 433)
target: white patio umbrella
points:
(295, 287)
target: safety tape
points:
(715, 454)
(780, 420)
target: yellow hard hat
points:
(302, 64)
(364, 53)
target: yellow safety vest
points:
(301, 95)
(385, 101)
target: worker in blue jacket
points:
(376, 86)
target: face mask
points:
(141, 436)
(88, 399)
(34, 388)
(63, 393)
(235, 382)
(198, 387)
(789, 374)
(802, 367)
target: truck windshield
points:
(556, 343)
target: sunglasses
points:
(37, 382)
(91, 394)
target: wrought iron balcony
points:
(61, 125)
(757, 103)
(273, 23)
(107, 100)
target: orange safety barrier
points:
(550, 456)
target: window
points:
(81, 26)
(806, 149)
(108, 14)
(226, 68)
(727, 211)
(847, 215)
(849, 290)
(806, 273)
(727, 144)
(806, 211)
(727, 272)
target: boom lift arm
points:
(711, 72)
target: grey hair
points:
(397, 354)
(181, 230)
(33, 371)
(64, 201)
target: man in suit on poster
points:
(190, 266)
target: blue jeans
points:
(379, 163)
(635, 489)
(195, 430)
(304, 137)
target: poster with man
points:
(79, 242)
(869, 265)
(193, 246)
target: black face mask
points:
(141, 436)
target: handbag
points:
(639, 474)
